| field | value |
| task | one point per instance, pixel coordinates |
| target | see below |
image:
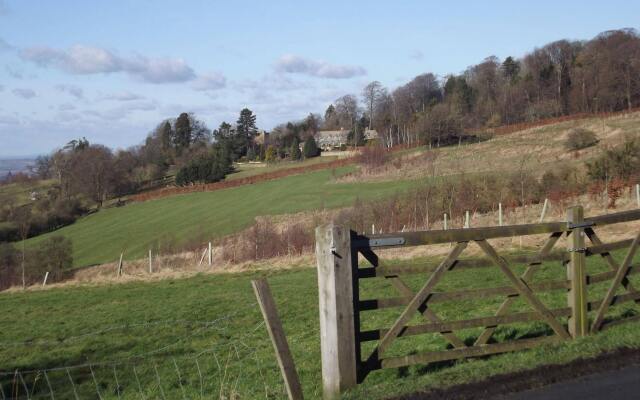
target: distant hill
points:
(14, 165)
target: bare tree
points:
(370, 94)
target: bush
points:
(311, 148)
(271, 154)
(622, 162)
(209, 168)
(54, 256)
(295, 153)
(372, 156)
(580, 138)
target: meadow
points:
(197, 217)
(203, 337)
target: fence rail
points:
(350, 353)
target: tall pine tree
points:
(246, 129)
(182, 136)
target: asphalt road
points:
(613, 385)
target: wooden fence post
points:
(46, 276)
(278, 338)
(499, 214)
(210, 254)
(150, 262)
(119, 272)
(337, 319)
(578, 321)
(544, 210)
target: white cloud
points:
(293, 64)
(122, 96)
(208, 82)
(86, 60)
(24, 93)
(73, 90)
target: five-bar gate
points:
(346, 360)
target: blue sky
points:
(112, 70)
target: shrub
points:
(311, 148)
(580, 138)
(622, 162)
(372, 156)
(209, 168)
(271, 154)
(54, 256)
(295, 153)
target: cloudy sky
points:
(111, 70)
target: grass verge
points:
(204, 336)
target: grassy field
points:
(20, 193)
(182, 219)
(204, 336)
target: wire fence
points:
(237, 363)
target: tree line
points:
(561, 78)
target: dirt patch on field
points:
(500, 385)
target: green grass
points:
(153, 325)
(20, 193)
(183, 219)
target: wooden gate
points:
(350, 353)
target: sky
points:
(111, 70)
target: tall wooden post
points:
(578, 322)
(337, 319)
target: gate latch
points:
(577, 250)
(584, 224)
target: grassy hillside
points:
(179, 220)
(148, 337)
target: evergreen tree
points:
(511, 68)
(182, 136)
(211, 167)
(166, 135)
(295, 152)
(311, 148)
(246, 128)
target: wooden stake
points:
(499, 214)
(120, 265)
(150, 263)
(210, 255)
(204, 253)
(373, 229)
(278, 338)
(445, 221)
(46, 275)
(466, 219)
(544, 210)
